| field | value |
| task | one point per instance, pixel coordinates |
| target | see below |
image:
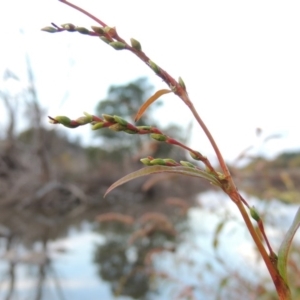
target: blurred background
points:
(161, 237)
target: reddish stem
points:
(84, 12)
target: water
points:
(74, 257)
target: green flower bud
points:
(154, 66)
(196, 155)
(118, 45)
(187, 164)
(110, 30)
(98, 125)
(148, 128)
(146, 161)
(63, 120)
(109, 118)
(69, 27)
(136, 44)
(84, 120)
(117, 127)
(120, 120)
(157, 161)
(82, 30)
(99, 30)
(221, 176)
(49, 29)
(170, 162)
(181, 83)
(254, 214)
(105, 39)
(130, 131)
(159, 137)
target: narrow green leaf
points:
(217, 233)
(149, 102)
(285, 246)
(164, 169)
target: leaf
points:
(217, 233)
(285, 246)
(149, 102)
(163, 169)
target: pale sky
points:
(240, 61)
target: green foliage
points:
(287, 160)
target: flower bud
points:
(84, 120)
(110, 30)
(170, 162)
(159, 137)
(157, 161)
(221, 176)
(63, 120)
(254, 214)
(69, 27)
(117, 127)
(146, 161)
(99, 30)
(181, 83)
(120, 120)
(109, 118)
(49, 29)
(105, 39)
(82, 30)
(135, 44)
(130, 131)
(187, 164)
(118, 45)
(196, 155)
(144, 127)
(154, 66)
(98, 125)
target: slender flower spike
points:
(136, 44)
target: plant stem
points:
(282, 289)
(228, 185)
(84, 12)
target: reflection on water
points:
(50, 255)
